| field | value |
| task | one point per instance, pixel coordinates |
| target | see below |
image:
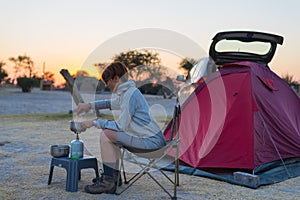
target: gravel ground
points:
(24, 157)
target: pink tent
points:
(242, 117)
(258, 121)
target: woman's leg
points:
(110, 153)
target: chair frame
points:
(153, 156)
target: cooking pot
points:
(60, 150)
(76, 127)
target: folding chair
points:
(153, 157)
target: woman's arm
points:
(101, 124)
(101, 104)
(112, 104)
(106, 124)
(127, 107)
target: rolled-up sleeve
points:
(107, 124)
(112, 104)
(101, 104)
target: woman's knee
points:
(108, 135)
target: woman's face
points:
(113, 83)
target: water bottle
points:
(76, 149)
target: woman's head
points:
(114, 74)
(115, 69)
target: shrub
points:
(27, 83)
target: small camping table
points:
(73, 168)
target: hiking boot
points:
(105, 185)
(116, 174)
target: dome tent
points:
(241, 124)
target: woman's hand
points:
(82, 107)
(87, 124)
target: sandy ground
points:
(24, 158)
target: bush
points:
(27, 83)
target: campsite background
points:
(62, 34)
(59, 34)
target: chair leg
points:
(145, 170)
(122, 168)
(162, 187)
(137, 176)
(119, 174)
(176, 172)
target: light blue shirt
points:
(134, 116)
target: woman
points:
(135, 126)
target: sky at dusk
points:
(64, 33)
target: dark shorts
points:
(153, 142)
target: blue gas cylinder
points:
(76, 149)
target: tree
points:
(49, 76)
(3, 73)
(24, 62)
(295, 85)
(145, 68)
(187, 64)
(289, 79)
(138, 62)
(17, 66)
(26, 82)
(134, 58)
(100, 67)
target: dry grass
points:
(25, 158)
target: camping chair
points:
(152, 157)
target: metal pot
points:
(60, 150)
(76, 127)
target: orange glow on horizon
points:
(276, 66)
(282, 65)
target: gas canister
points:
(77, 149)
